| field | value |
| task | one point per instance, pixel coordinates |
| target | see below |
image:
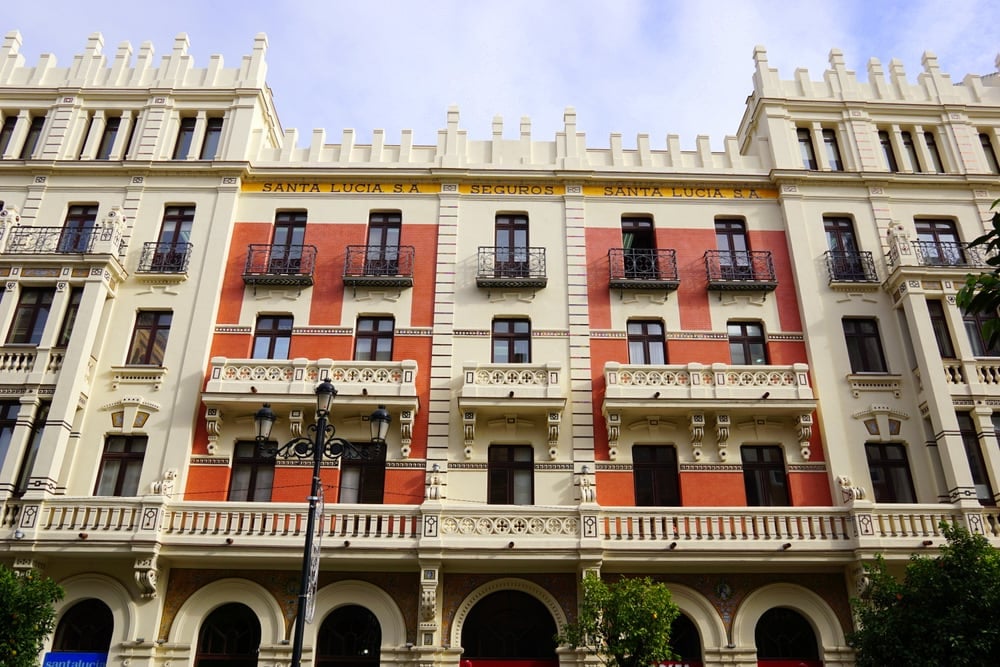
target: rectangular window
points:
(287, 242)
(121, 466)
(806, 148)
(34, 444)
(149, 338)
(362, 475)
(832, 150)
(764, 475)
(847, 263)
(747, 345)
(941, 332)
(213, 135)
(864, 345)
(78, 228)
(734, 250)
(938, 243)
(974, 323)
(646, 344)
(885, 139)
(654, 469)
(511, 341)
(253, 474)
(69, 318)
(373, 339)
(890, 473)
(639, 246)
(6, 132)
(974, 454)
(511, 233)
(8, 420)
(382, 254)
(911, 151)
(272, 337)
(934, 153)
(174, 240)
(185, 137)
(31, 140)
(984, 140)
(30, 315)
(111, 126)
(511, 471)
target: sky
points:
(655, 67)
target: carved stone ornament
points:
(145, 576)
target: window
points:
(213, 133)
(864, 345)
(173, 243)
(149, 338)
(639, 245)
(185, 136)
(511, 341)
(511, 472)
(86, 627)
(511, 246)
(30, 315)
(6, 132)
(69, 319)
(654, 469)
(121, 466)
(362, 474)
(373, 339)
(885, 139)
(111, 127)
(78, 229)
(34, 444)
(984, 139)
(734, 250)
(938, 243)
(890, 473)
(974, 323)
(382, 256)
(847, 263)
(974, 454)
(832, 150)
(286, 245)
(229, 637)
(646, 344)
(8, 420)
(253, 474)
(939, 323)
(272, 337)
(764, 475)
(350, 636)
(934, 153)
(911, 151)
(31, 140)
(806, 148)
(747, 346)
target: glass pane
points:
(263, 483)
(109, 476)
(350, 484)
(130, 482)
(522, 487)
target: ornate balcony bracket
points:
(722, 425)
(146, 574)
(614, 421)
(469, 428)
(804, 425)
(405, 432)
(428, 593)
(554, 420)
(697, 428)
(213, 424)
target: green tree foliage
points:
(943, 612)
(27, 616)
(626, 624)
(981, 293)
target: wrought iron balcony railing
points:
(51, 240)
(165, 257)
(379, 266)
(643, 268)
(269, 264)
(740, 270)
(511, 267)
(850, 266)
(946, 254)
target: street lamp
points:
(322, 443)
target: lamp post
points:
(323, 443)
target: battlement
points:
(90, 68)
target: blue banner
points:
(74, 659)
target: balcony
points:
(166, 259)
(511, 267)
(61, 241)
(30, 365)
(643, 268)
(377, 266)
(945, 255)
(289, 265)
(850, 267)
(740, 270)
(520, 382)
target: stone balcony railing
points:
(375, 379)
(512, 381)
(155, 524)
(22, 364)
(698, 382)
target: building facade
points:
(741, 373)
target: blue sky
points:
(629, 66)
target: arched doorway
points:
(686, 642)
(349, 637)
(229, 637)
(86, 627)
(785, 638)
(509, 628)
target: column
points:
(17, 138)
(198, 140)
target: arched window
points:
(685, 641)
(509, 625)
(229, 637)
(784, 634)
(85, 627)
(349, 637)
